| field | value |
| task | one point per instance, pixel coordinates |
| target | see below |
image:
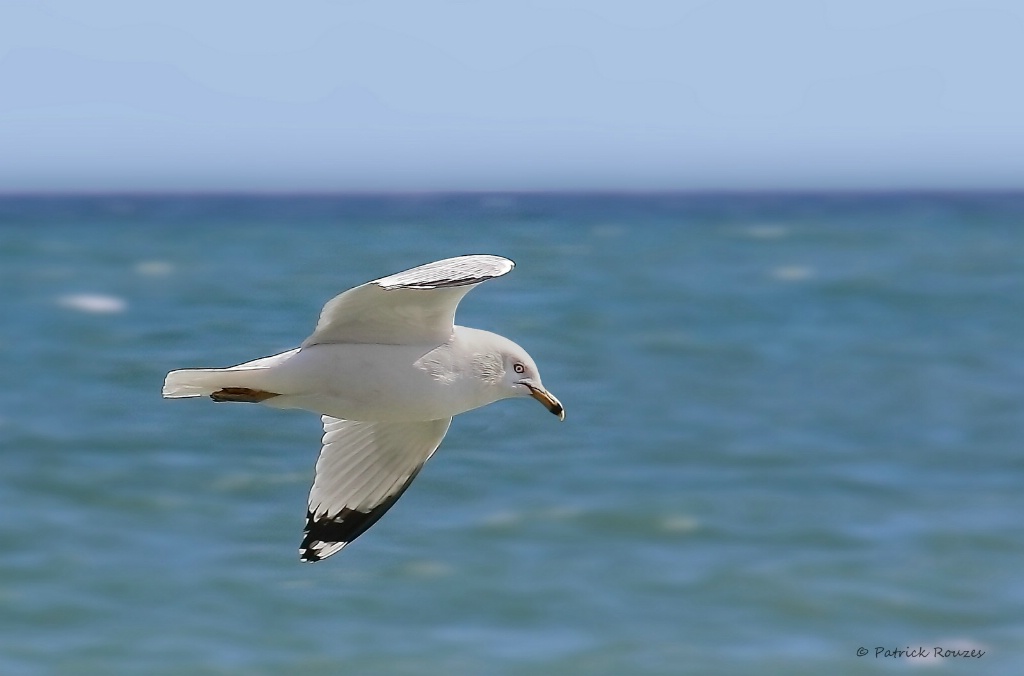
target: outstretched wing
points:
(414, 306)
(363, 468)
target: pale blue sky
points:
(563, 94)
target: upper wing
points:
(363, 468)
(415, 306)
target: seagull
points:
(386, 368)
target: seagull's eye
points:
(519, 368)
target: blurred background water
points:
(793, 429)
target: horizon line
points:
(473, 192)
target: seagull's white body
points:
(396, 383)
(387, 369)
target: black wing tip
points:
(333, 533)
(326, 533)
(308, 552)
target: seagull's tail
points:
(204, 382)
(193, 382)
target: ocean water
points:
(794, 430)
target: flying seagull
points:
(386, 368)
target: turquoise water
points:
(793, 429)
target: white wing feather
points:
(414, 306)
(362, 470)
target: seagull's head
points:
(523, 379)
(505, 370)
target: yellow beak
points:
(549, 400)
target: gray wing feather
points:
(449, 272)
